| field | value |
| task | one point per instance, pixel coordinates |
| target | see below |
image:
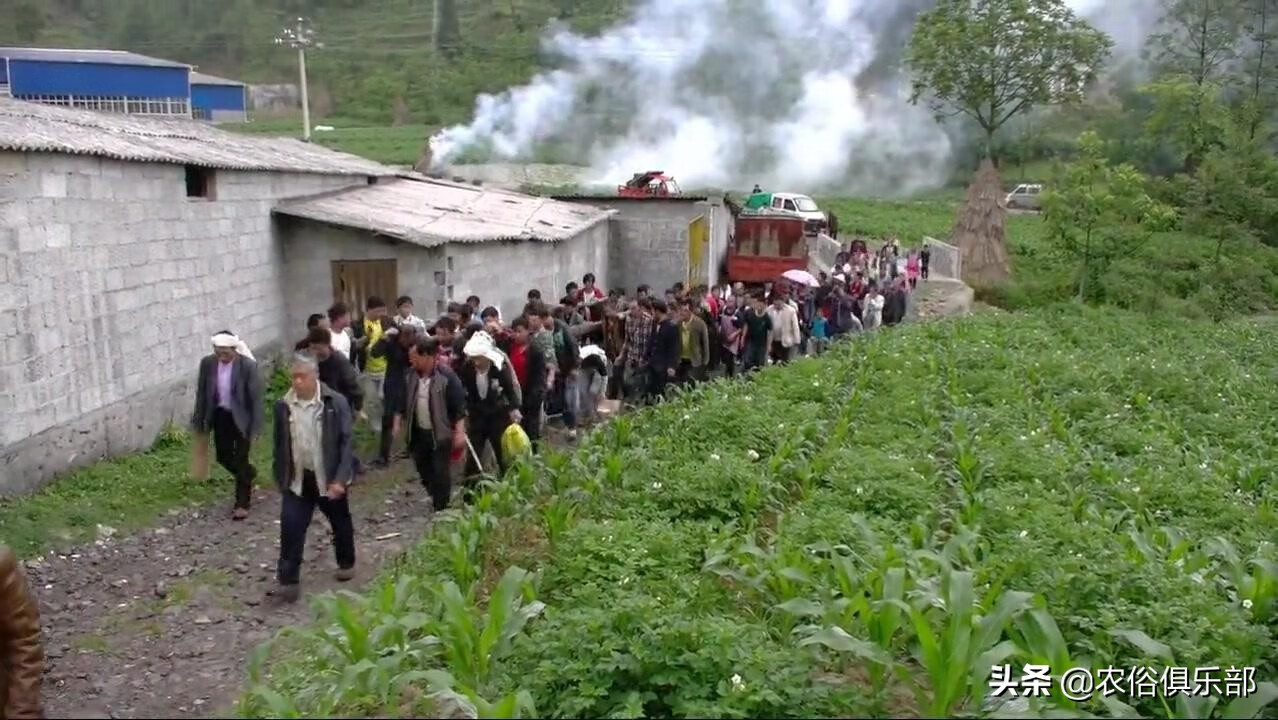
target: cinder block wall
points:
(111, 282)
(502, 273)
(649, 240)
(309, 251)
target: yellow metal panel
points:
(698, 250)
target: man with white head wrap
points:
(229, 404)
(493, 399)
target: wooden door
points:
(355, 280)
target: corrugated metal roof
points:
(622, 198)
(199, 78)
(80, 55)
(433, 212)
(32, 127)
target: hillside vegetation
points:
(851, 536)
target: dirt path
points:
(161, 623)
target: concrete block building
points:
(125, 242)
(658, 241)
(217, 99)
(438, 242)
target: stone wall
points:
(309, 249)
(111, 282)
(649, 240)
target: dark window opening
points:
(372, 179)
(199, 182)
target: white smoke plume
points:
(801, 95)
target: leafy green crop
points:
(863, 534)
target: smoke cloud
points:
(801, 95)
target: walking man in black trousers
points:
(229, 404)
(432, 410)
(314, 467)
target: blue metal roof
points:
(74, 55)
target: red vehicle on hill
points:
(652, 183)
(763, 247)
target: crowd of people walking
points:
(442, 393)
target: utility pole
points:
(300, 37)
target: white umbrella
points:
(803, 277)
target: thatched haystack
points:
(980, 232)
(424, 162)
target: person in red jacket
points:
(589, 292)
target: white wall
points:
(111, 282)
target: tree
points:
(1196, 39)
(1260, 63)
(994, 59)
(1095, 212)
(446, 32)
(1190, 117)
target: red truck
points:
(762, 247)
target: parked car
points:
(791, 204)
(1025, 196)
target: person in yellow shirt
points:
(368, 332)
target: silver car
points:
(1026, 196)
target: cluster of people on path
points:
(447, 390)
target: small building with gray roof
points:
(126, 242)
(438, 241)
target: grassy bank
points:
(393, 145)
(861, 534)
(128, 492)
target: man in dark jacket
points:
(229, 404)
(336, 371)
(529, 367)
(567, 357)
(493, 402)
(394, 346)
(314, 467)
(665, 349)
(432, 412)
(895, 303)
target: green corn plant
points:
(463, 555)
(958, 658)
(449, 702)
(621, 433)
(1253, 581)
(557, 515)
(873, 606)
(613, 469)
(474, 640)
(1039, 641)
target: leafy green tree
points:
(1189, 116)
(992, 60)
(1233, 195)
(1260, 64)
(1096, 212)
(1197, 39)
